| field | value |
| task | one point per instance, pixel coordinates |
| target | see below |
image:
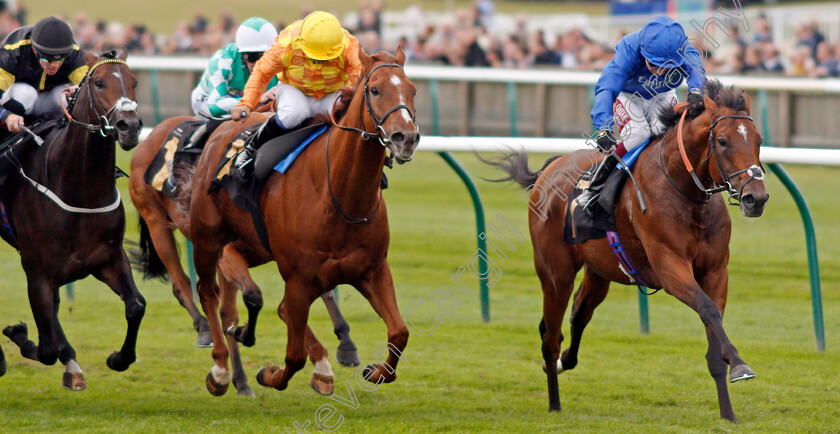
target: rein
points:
(734, 195)
(380, 133)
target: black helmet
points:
(52, 38)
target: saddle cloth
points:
(172, 159)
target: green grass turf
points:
(467, 376)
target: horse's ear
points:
(90, 58)
(710, 105)
(746, 100)
(122, 54)
(364, 59)
(400, 55)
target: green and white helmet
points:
(255, 35)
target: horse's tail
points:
(185, 176)
(145, 258)
(515, 164)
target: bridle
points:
(377, 121)
(379, 133)
(754, 172)
(106, 119)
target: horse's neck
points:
(355, 165)
(80, 163)
(675, 166)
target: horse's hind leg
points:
(346, 355)
(117, 275)
(230, 316)
(164, 243)
(235, 269)
(593, 289)
(2, 362)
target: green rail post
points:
(71, 293)
(153, 82)
(810, 235)
(191, 267)
(484, 290)
(511, 95)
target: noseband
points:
(377, 121)
(123, 104)
(754, 172)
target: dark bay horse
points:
(67, 217)
(159, 216)
(681, 244)
(326, 221)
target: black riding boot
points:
(245, 161)
(587, 199)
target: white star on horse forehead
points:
(742, 131)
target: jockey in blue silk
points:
(635, 86)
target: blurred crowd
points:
(467, 38)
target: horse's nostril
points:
(122, 126)
(398, 138)
(748, 200)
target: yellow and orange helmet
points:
(321, 36)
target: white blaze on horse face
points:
(397, 82)
(742, 131)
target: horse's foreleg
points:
(230, 317)
(346, 355)
(556, 294)
(716, 286)
(294, 310)
(235, 269)
(593, 289)
(378, 288)
(206, 257)
(2, 362)
(117, 275)
(164, 244)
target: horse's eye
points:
(721, 141)
(99, 83)
(374, 90)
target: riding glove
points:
(605, 140)
(696, 104)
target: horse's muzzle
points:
(752, 204)
(403, 144)
(128, 131)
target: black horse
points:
(65, 214)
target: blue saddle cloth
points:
(630, 158)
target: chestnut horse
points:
(681, 244)
(326, 221)
(67, 218)
(158, 256)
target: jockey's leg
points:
(293, 107)
(19, 99)
(48, 104)
(665, 100)
(629, 114)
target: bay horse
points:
(680, 244)
(326, 220)
(159, 216)
(66, 214)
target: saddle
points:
(277, 154)
(580, 226)
(13, 145)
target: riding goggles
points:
(253, 56)
(49, 58)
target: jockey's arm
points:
(353, 66)
(267, 67)
(696, 73)
(609, 85)
(219, 103)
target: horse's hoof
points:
(322, 384)
(264, 375)
(15, 330)
(347, 358)
(213, 387)
(245, 391)
(740, 372)
(115, 361)
(74, 381)
(554, 409)
(369, 371)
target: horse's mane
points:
(345, 95)
(726, 96)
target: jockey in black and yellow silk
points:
(36, 64)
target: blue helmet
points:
(661, 41)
